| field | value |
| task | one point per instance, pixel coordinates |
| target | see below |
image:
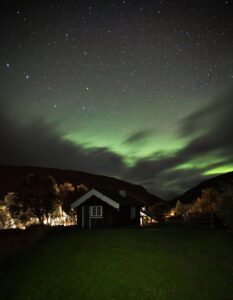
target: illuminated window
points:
(96, 211)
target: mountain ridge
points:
(11, 176)
(195, 192)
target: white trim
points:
(89, 217)
(142, 214)
(96, 215)
(99, 195)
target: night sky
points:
(138, 90)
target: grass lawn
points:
(160, 263)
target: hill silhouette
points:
(12, 176)
(195, 192)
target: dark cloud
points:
(39, 144)
(211, 133)
(210, 130)
(213, 127)
(137, 137)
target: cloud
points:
(39, 144)
(209, 130)
(213, 127)
(138, 137)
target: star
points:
(116, 67)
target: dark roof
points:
(123, 201)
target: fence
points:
(207, 220)
(204, 220)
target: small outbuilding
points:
(107, 208)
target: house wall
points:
(125, 216)
(111, 216)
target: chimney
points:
(123, 193)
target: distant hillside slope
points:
(11, 176)
(196, 191)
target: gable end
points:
(99, 195)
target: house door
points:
(85, 216)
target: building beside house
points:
(182, 208)
(107, 208)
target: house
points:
(107, 208)
(182, 208)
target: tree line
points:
(38, 199)
(214, 200)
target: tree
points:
(180, 209)
(207, 202)
(68, 194)
(36, 197)
(5, 219)
(19, 216)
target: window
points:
(96, 211)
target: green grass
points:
(161, 263)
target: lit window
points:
(96, 211)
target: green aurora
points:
(125, 89)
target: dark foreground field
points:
(164, 263)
